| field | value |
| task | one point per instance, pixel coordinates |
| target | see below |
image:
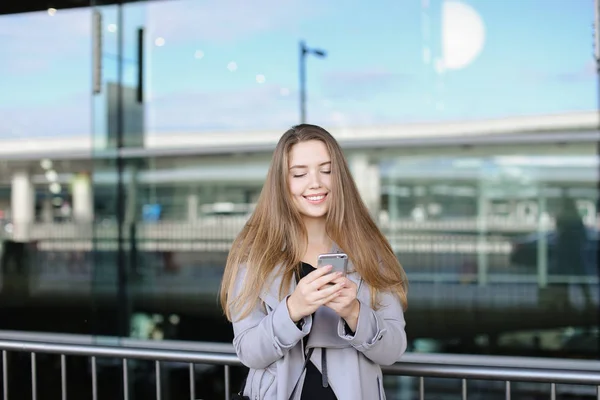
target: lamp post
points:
(304, 51)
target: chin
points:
(314, 215)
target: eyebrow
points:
(304, 166)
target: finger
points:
(331, 300)
(345, 291)
(323, 280)
(342, 279)
(328, 291)
(317, 273)
(334, 303)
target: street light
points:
(304, 50)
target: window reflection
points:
(470, 126)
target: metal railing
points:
(463, 367)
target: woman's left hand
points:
(345, 304)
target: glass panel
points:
(470, 127)
(118, 124)
(44, 132)
(475, 225)
(467, 138)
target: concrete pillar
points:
(542, 243)
(192, 207)
(22, 197)
(482, 228)
(374, 185)
(83, 198)
(393, 193)
(47, 210)
(368, 180)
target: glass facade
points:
(134, 141)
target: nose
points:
(315, 180)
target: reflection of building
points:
(422, 171)
(120, 230)
(453, 199)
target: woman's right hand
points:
(312, 292)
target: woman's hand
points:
(346, 305)
(312, 292)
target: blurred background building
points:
(135, 138)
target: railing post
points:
(227, 383)
(158, 390)
(192, 382)
(125, 380)
(4, 375)
(63, 376)
(33, 378)
(94, 380)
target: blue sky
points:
(536, 59)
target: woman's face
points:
(309, 177)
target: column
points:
(47, 211)
(542, 244)
(482, 228)
(393, 193)
(192, 207)
(368, 181)
(22, 198)
(83, 199)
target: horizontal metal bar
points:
(70, 338)
(516, 373)
(227, 348)
(122, 352)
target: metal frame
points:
(507, 369)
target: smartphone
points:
(339, 262)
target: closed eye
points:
(299, 175)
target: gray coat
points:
(269, 343)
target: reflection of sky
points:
(537, 59)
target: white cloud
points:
(40, 36)
(67, 117)
(255, 108)
(226, 20)
(259, 107)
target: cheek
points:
(295, 188)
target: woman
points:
(303, 332)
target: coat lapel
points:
(270, 294)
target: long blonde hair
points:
(275, 234)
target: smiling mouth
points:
(316, 199)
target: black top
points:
(313, 381)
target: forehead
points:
(312, 152)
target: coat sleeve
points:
(263, 337)
(380, 334)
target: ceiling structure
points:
(23, 6)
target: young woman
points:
(303, 332)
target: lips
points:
(316, 198)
